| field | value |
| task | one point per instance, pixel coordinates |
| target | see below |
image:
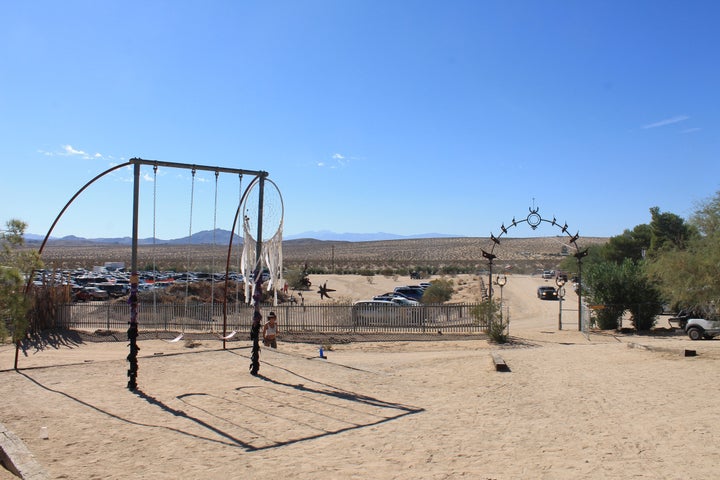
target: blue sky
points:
(405, 117)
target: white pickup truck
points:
(698, 328)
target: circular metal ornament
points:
(534, 220)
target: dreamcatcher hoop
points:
(263, 211)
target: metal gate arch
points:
(534, 220)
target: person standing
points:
(270, 331)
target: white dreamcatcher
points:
(262, 201)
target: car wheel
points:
(695, 334)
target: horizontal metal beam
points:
(188, 166)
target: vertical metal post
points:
(257, 296)
(579, 255)
(561, 294)
(560, 299)
(490, 289)
(579, 294)
(132, 332)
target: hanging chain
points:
(239, 250)
(187, 272)
(212, 283)
(154, 240)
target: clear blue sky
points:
(405, 117)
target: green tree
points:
(689, 277)
(669, 231)
(643, 295)
(604, 285)
(16, 264)
(623, 287)
(707, 216)
(630, 244)
(595, 255)
(439, 291)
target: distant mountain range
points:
(222, 237)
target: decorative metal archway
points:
(534, 220)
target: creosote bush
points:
(488, 313)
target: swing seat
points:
(229, 335)
(176, 339)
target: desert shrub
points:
(44, 304)
(497, 331)
(488, 313)
(644, 315)
(198, 292)
(296, 279)
(485, 311)
(608, 318)
(439, 291)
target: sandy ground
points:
(609, 406)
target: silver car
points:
(386, 313)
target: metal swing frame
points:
(133, 328)
(259, 175)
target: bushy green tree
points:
(439, 291)
(689, 276)
(594, 255)
(669, 231)
(630, 244)
(16, 264)
(707, 216)
(604, 286)
(643, 296)
(623, 287)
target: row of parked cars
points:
(399, 307)
(105, 283)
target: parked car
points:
(97, 293)
(413, 293)
(397, 298)
(81, 296)
(547, 293)
(384, 313)
(404, 301)
(697, 328)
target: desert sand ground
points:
(608, 406)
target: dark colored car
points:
(547, 293)
(413, 293)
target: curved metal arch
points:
(52, 227)
(77, 194)
(534, 219)
(64, 209)
(243, 198)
